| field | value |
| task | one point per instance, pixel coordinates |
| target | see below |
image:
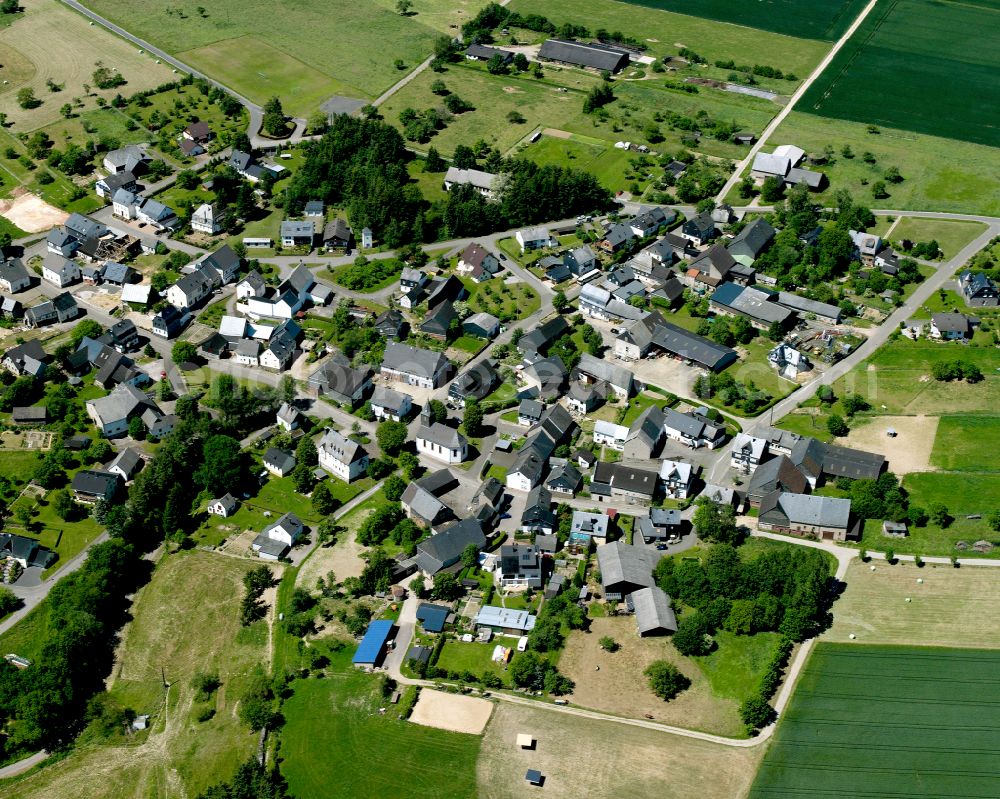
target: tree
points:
(836, 425)
(559, 301)
(472, 418)
(136, 428)
(470, 556)
(520, 62)
(305, 452)
(772, 190)
(878, 190)
(938, 514)
(433, 162)
(184, 352)
(665, 680)
(391, 436)
(439, 411)
(716, 522)
(274, 118)
(756, 713)
(775, 331)
(98, 451)
(323, 501)
(403, 6)
(418, 586)
(303, 478)
(446, 587)
(66, 110)
(26, 98)
(854, 403)
(692, 636)
(497, 65)
(393, 487)
(223, 465)
(608, 644)
(464, 157)
(63, 504)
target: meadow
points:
(949, 607)
(185, 620)
(882, 721)
(331, 727)
(812, 19)
(940, 173)
(967, 443)
(950, 234)
(51, 42)
(301, 52)
(940, 86)
(665, 31)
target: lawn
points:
(967, 443)
(185, 620)
(757, 368)
(506, 302)
(212, 315)
(469, 344)
(940, 174)
(950, 234)
(51, 42)
(66, 539)
(596, 156)
(640, 402)
(475, 658)
(331, 726)
(734, 669)
(695, 27)
(948, 607)
(937, 88)
(293, 54)
(58, 192)
(102, 122)
(882, 721)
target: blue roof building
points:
(433, 617)
(371, 650)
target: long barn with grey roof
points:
(584, 54)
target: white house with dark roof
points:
(675, 478)
(278, 462)
(609, 434)
(224, 506)
(389, 404)
(441, 443)
(476, 260)
(14, 276)
(789, 362)
(341, 456)
(414, 366)
(826, 518)
(950, 327)
(482, 182)
(534, 238)
(748, 452)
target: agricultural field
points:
(331, 726)
(949, 607)
(883, 721)
(967, 443)
(601, 758)
(51, 42)
(19, 173)
(939, 174)
(936, 87)
(293, 55)
(185, 620)
(735, 38)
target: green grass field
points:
(735, 667)
(939, 86)
(950, 234)
(474, 657)
(302, 52)
(880, 721)
(967, 443)
(332, 727)
(940, 174)
(812, 19)
(662, 30)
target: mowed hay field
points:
(664, 30)
(967, 443)
(185, 620)
(48, 41)
(950, 234)
(352, 45)
(951, 607)
(937, 83)
(585, 757)
(882, 721)
(335, 743)
(808, 19)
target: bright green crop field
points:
(884, 721)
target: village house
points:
(699, 229)
(112, 413)
(279, 462)
(477, 262)
(277, 538)
(90, 486)
(588, 529)
(609, 434)
(675, 478)
(748, 452)
(389, 404)
(28, 358)
(288, 417)
(414, 366)
(445, 547)
(297, 233)
(950, 327)
(476, 383)
(224, 506)
(652, 332)
(341, 456)
(61, 308)
(620, 482)
(421, 500)
(789, 362)
(336, 235)
(106, 187)
(206, 219)
(534, 238)
(482, 182)
(645, 435)
(14, 276)
(538, 516)
(126, 464)
(519, 567)
(662, 524)
(564, 480)
(693, 428)
(826, 518)
(977, 290)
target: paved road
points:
(773, 126)
(21, 766)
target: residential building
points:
(675, 477)
(279, 462)
(191, 288)
(648, 222)
(62, 308)
(616, 238)
(714, 266)
(662, 524)
(391, 324)
(475, 383)
(251, 285)
(130, 158)
(337, 234)
(609, 434)
(445, 548)
(170, 321)
(866, 246)
(111, 414)
(620, 482)
(777, 474)
(789, 362)
(482, 182)
(564, 480)
(27, 358)
(591, 369)
(653, 332)
(341, 456)
(205, 219)
(224, 506)
(90, 486)
(580, 261)
(277, 538)
(529, 412)
(126, 464)
(288, 417)
(477, 262)
(26, 552)
(14, 276)
(748, 452)
(950, 327)
(519, 566)
(421, 500)
(583, 398)
(537, 342)
(297, 233)
(534, 238)
(414, 366)
(341, 382)
(644, 435)
(752, 240)
(538, 516)
(107, 186)
(389, 404)
(699, 229)
(693, 429)
(826, 518)
(977, 290)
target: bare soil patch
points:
(909, 451)
(584, 757)
(343, 559)
(30, 212)
(451, 712)
(26, 439)
(614, 682)
(556, 133)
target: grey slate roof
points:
(599, 369)
(412, 360)
(626, 565)
(446, 547)
(806, 509)
(595, 56)
(653, 611)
